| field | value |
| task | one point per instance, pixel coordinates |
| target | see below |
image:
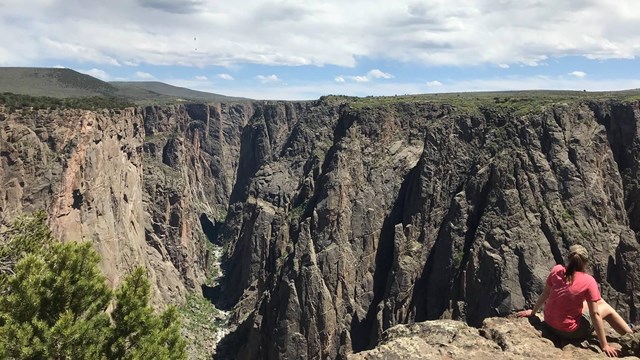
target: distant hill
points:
(139, 90)
(67, 83)
(59, 83)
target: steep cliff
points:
(341, 217)
(144, 185)
(371, 215)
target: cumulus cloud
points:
(141, 75)
(503, 66)
(431, 32)
(201, 78)
(268, 78)
(377, 74)
(370, 75)
(434, 83)
(96, 73)
(225, 77)
(578, 74)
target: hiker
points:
(573, 301)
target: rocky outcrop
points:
(498, 338)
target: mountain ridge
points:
(66, 83)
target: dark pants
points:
(585, 328)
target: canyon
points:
(343, 217)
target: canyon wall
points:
(141, 184)
(375, 215)
(340, 218)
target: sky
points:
(303, 49)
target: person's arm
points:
(541, 299)
(599, 326)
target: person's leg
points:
(611, 316)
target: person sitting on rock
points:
(573, 301)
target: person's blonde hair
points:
(578, 258)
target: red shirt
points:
(563, 308)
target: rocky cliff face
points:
(364, 218)
(146, 185)
(343, 218)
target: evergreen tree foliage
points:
(19, 101)
(27, 235)
(137, 333)
(54, 300)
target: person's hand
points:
(611, 352)
(523, 313)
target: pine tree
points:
(55, 306)
(138, 333)
(53, 302)
(27, 235)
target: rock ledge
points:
(498, 338)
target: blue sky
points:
(279, 49)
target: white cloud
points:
(434, 83)
(371, 75)
(360, 78)
(503, 66)
(578, 74)
(431, 32)
(225, 77)
(377, 74)
(143, 75)
(268, 78)
(96, 73)
(201, 78)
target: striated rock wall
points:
(364, 218)
(141, 184)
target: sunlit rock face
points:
(138, 183)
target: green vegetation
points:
(567, 215)
(516, 102)
(145, 92)
(59, 83)
(296, 212)
(213, 272)
(16, 101)
(201, 320)
(457, 258)
(198, 313)
(67, 83)
(586, 235)
(54, 300)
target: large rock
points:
(498, 338)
